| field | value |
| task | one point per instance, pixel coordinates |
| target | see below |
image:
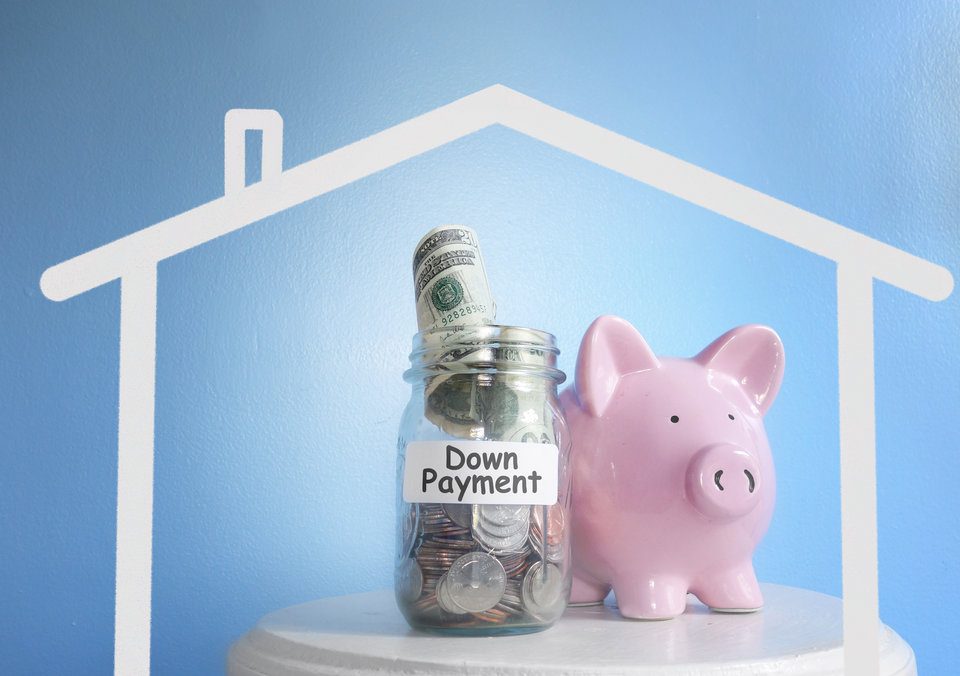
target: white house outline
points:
(133, 259)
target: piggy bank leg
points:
(650, 598)
(733, 591)
(586, 592)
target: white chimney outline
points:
(133, 259)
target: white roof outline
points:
(494, 105)
(134, 258)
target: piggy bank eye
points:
(730, 415)
(674, 419)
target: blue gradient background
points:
(280, 347)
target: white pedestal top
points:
(797, 632)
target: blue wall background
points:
(280, 347)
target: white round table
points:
(797, 632)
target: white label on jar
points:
(481, 472)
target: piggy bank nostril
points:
(752, 482)
(716, 479)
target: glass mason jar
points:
(483, 487)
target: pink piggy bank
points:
(673, 481)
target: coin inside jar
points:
(503, 515)
(462, 515)
(409, 581)
(408, 531)
(502, 528)
(547, 534)
(502, 531)
(475, 582)
(495, 545)
(543, 590)
(443, 598)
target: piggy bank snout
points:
(723, 481)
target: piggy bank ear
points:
(753, 356)
(611, 349)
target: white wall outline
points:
(133, 259)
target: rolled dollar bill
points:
(450, 281)
(454, 305)
(452, 293)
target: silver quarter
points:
(543, 591)
(501, 545)
(475, 582)
(444, 599)
(503, 515)
(503, 530)
(441, 595)
(408, 530)
(460, 514)
(409, 581)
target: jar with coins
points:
(483, 487)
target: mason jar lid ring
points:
(484, 348)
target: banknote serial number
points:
(460, 313)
